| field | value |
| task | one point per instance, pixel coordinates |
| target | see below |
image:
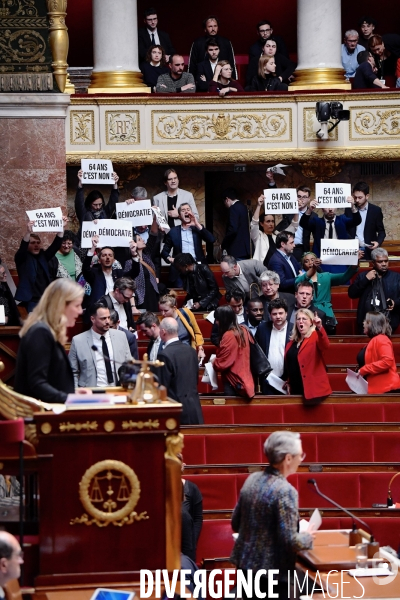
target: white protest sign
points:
(139, 213)
(46, 219)
(111, 233)
(97, 171)
(332, 195)
(280, 201)
(339, 252)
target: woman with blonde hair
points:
(304, 358)
(43, 370)
(222, 82)
(266, 79)
(189, 332)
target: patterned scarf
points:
(140, 280)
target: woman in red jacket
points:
(377, 358)
(233, 354)
(304, 360)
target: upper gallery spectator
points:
(262, 232)
(236, 301)
(180, 372)
(366, 73)
(149, 324)
(66, 262)
(239, 276)
(198, 282)
(377, 290)
(265, 32)
(254, 313)
(237, 237)
(93, 206)
(131, 337)
(7, 300)
(284, 67)
(169, 201)
(330, 226)
(266, 80)
(100, 276)
(177, 79)
(350, 49)
(98, 368)
(154, 65)
(206, 69)
(371, 231)
(269, 282)
(11, 559)
(122, 300)
(150, 35)
(283, 262)
(386, 51)
(367, 27)
(198, 49)
(221, 82)
(32, 264)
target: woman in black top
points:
(154, 66)
(222, 82)
(284, 66)
(366, 73)
(198, 281)
(266, 80)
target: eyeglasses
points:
(303, 456)
(302, 197)
(127, 298)
(264, 30)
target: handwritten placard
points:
(280, 201)
(332, 195)
(111, 233)
(97, 171)
(339, 252)
(46, 219)
(139, 212)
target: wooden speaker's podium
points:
(110, 494)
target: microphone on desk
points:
(127, 372)
(354, 537)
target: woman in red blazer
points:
(304, 361)
(233, 354)
(378, 363)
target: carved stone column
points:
(319, 39)
(58, 40)
(115, 48)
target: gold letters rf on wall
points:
(122, 127)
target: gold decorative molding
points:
(58, 40)
(97, 488)
(122, 127)
(380, 121)
(45, 428)
(109, 426)
(321, 171)
(81, 127)
(320, 78)
(311, 126)
(237, 125)
(174, 445)
(108, 82)
(149, 424)
(171, 423)
(88, 426)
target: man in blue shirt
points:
(350, 49)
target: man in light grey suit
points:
(173, 197)
(93, 352)
(240, 275)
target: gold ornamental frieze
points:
(81, 127)
(149, 424)
(241, 125)
(87, 426)
(376, 122)
(122, 127)
(109, 492)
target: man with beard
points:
(206, 69)
(304, 299)
(177, 80)
(198, 49)
(254, 313)
(101, 276)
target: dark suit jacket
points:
(374, 230)
(95, 277)
(149, 347)
(256, 48)
(203, 68)
(289, 298)
(173, 239)
(179, 375)
(106, 300)
(26, 264)
(263, 335)
(131, 337)
(237, 238)
(316, 225)
(198, 53)
(279, 264)
(284, 67)
(43, 370)
(144, 41)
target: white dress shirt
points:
(175, 339)
(187, 241)
(123, 322)
(154, 349)
(109, 282)
(360, 228)
(276, 351)
(287, 258)
(156, 38)
(102, 380)
(334, 234)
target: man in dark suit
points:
(131, 337)
(122, 299)
(304, 299)
(101, 276)
(151, 36)
(283, 261)
(273, 337)
(253, 316)
(198, 49)
(180, 372)
(371, 231)
(240, 276)
(205, 69)
(269, 283)
(149, 324)
(265, 32)
(237, 238)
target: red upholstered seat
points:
(374, 488)
(219, 415)
(219, 491)
(299, 413)
(338, 382)
(205, 327)
(361, 413)
(386, 446)
(309, 443)
(194, 452)
(12, 431)
(233, 448)
(345, 354)
(345, 447)
(261, 413)
(341, 487)
(215, 540)
(346, 326)
(391, 412)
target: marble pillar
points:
(319, 40)
(115, 48)
(32, 169)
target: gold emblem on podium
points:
(109, 491)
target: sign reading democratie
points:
(139, 212)
(111, 233)
(97, 171)
(46, 219)
(280, 201)
(339, 252)
(332, 195)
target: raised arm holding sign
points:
(333, 195)
(46, 219)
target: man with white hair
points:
(180, 372)
(11, 559)
(350, 49)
